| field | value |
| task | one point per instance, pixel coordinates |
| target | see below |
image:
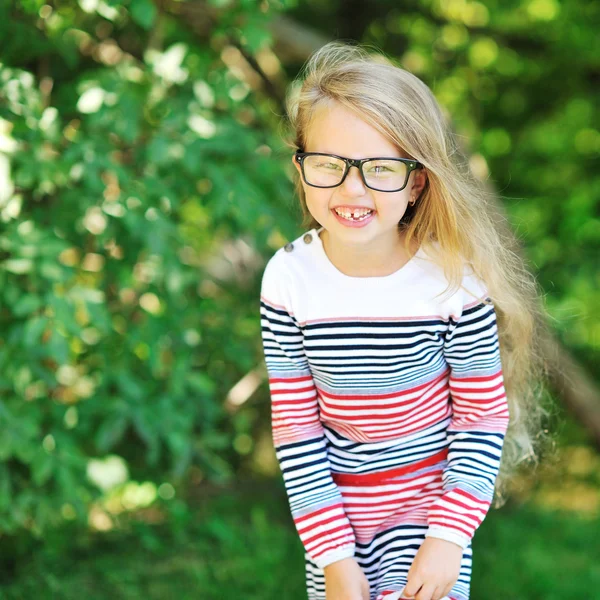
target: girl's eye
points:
(379, 169)
(327, 165)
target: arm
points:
(315, 502)
(478, 426)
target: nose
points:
(353, 184)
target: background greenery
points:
(144, 182)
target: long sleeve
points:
(300, 446)
(478, 425)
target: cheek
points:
(392, 203)
(317, 198)
(388, 211)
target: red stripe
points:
(383, 476)
(292, 390)
(339, 545)
(289, 379)
(320, 511)
(455, 383)
(440, 396)
(343, 531)
(442, 523)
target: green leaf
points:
(26, 305)
(33, 331)
(143, 12)
(18, 265)
(58, 346)
(51, 271)
(148, 434)
(42, 467)
(5, 487)
(6, 447)
(111, 432)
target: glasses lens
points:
(385, 174)
(323, 170)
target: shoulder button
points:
(307, 238)
(288, 247)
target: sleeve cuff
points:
(450, 535)
(333, 556)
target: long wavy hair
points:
(454, 219)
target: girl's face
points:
(336, 130)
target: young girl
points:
(386, 327)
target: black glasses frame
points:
(358, 163)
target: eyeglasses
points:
(379, 174)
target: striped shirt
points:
(373, 377)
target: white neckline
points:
(407, 267)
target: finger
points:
(412, 588)
(426, 592)
(408, 595)
(439, 593)
(446, 590)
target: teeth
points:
(357, 214)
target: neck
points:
(383, 256)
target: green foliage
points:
(143, 185)
(519, 81)
(127, 171)
(245, 542)
(143, 12)
(250, 548)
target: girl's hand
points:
(345, 580)
(434, 571)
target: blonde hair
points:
(453, 219)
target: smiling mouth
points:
(354, 215)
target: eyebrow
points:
(361, 158)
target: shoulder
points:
(474, 287)
(294, 254)
(287, 262)
(466, 287)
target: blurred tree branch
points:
(202, 18)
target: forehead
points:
(336, 130)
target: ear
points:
(296, 164)
(419, 181)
